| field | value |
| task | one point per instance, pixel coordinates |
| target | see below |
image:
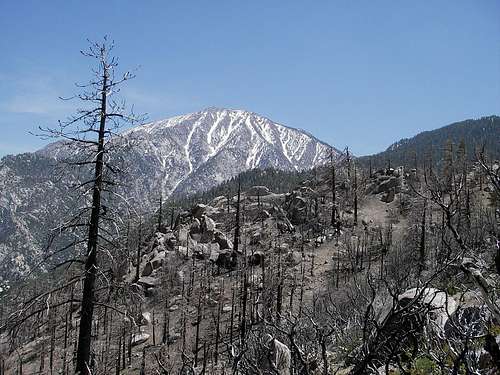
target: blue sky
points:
(357, 73)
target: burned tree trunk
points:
(84, 338)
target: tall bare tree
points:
(90, 135)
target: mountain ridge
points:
(429, 145)
(181, 155)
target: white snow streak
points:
(188, 142)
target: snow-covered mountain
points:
(200, 150)
(180, 155)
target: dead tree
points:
(422, 236)
(101, 119)
(355, 188)
(334, 203)
(237, 228)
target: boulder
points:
(147, 270)
(258, 191)
(158, 260)
(208, 224)
(183, 251)
(402, 322)
(146, 318)
(383, 371)
(158, 241)
(182, 218)
(198, 210)
(469, 320)
(388, 196)
(140, 338)
(214, 255)
(148, 282)
(440, 304)
(388, 184)
(195, 226)
(223, 242)
(219, 201)
(227, 260)
(280, 356)
(383, 183)
(204, 251)
(256, 259)
(201, 209)
(306, 191)
(297, 210)
(171, 242)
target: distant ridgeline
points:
(430, 146)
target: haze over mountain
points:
(180, 155)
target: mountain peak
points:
(219, 143)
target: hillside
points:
(429, 146)
(176, 156)
(387, 287)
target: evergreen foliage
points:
(277, 181)
(429, 147)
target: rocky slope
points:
(180, 155)
(300, 286)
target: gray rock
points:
(470, 320)
(258, 191)
(140, 338)
(227, 260)
(208, 224)
(223, 242)
(388, 196)
(147, 270)
(388, 184)
(195, 226)
(148, 281)
(158, 260)
(201, 209)
(441, 305)
(256, 259)
(146, 318)
(46, 199)
(297, 210)
(204, 251)
(171, 243)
